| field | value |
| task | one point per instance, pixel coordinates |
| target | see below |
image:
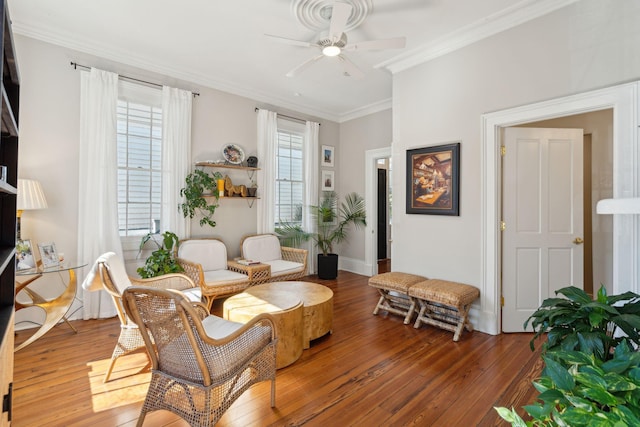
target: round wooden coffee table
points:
(286, 310)
(318, 305)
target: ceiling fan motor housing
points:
(325, 41)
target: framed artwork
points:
(327, 180)
(433, 180)
(24, 255)
(327, 156)
(48, 254)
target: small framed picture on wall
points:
(328, 154)
(327, 180)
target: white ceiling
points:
(222, 44)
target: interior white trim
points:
(513, 16)
(623, 99)
(370, 233)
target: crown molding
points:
(125, 57)
(375, 107)
(513, 16)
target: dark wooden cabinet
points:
(8, 190)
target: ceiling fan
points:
(333, 43)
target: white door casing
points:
(371, 177)
(542, 246)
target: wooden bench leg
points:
(398, 304)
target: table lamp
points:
(30, 196)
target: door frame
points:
(622, 99)
(370, 190)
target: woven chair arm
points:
(200, 309)
(294, 254)
(193, 270)
(175, 281)
(245, 332)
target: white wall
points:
(589, 44)
(356, 137)
(49, 138)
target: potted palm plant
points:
(332, 221)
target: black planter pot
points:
(327, 266)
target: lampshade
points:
(619, 206)
(30, 195)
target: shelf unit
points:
(8, 190)
(250, 173)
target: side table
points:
(55, 309)
(258, 273)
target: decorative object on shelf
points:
(49, 255)
(327, 156)
(327, 180)
(24, 255)
(197, 184)
(30, 197)
(253, 188)
(220, 187)
(161, 261)
(331, 225)
(233, 190)
(433, 180)
(252, 162)
(233, 154)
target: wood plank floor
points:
(372, 371)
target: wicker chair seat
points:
(205, 262)
(286, 263)
(200, 363)
(394, 288)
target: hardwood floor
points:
(372, 371)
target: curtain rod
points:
(289, 117)
(75, 66)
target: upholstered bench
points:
(394, 296)
(444, 304)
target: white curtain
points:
(176, 157)
(267, 146)
(311, 132)
(98, 179)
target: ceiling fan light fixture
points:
(332, 50)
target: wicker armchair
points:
(201, 364)
(205, 262)
(286, 263)
(114, 280)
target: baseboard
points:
(356, 266)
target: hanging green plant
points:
(200, 196)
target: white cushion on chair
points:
(193, 294)
(263, 248)
(210, 253)
(280, 267)
(223, 277)
(217, 327)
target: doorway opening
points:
(624, 253)
(378, 229)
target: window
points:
(289, 174)
(139, 163)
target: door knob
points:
(578, 241)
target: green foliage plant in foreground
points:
(592, 370)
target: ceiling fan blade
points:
(339, 16)
(351, 69)
(393, 43)
(290, 41)
(306, 64)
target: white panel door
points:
(542, 247)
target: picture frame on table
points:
(433, 180)
(328, 179)
(328, 156)
(25, 259)
(49, 254)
